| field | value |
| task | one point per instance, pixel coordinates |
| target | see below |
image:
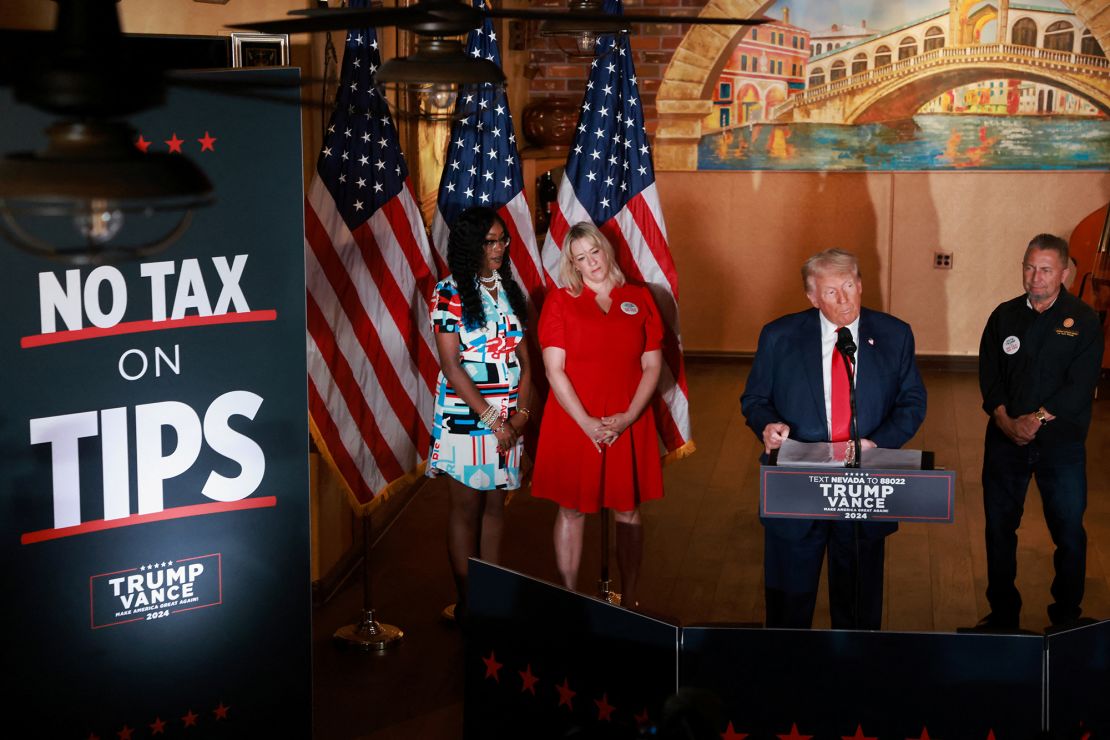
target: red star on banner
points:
(604, 709)
(221, 711)
(142, 144)
(794, 735)
(207, 142)
(492, 667)
(566, 696)
(125, 733)
(157, 727)
(859, 735)
(731, 734)
(990, 734)
(174, 143)
(528, 679)
(190, 719)
(924, 735)
(642, 719)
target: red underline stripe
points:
(178, 512)
(136, 327)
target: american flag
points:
(369, 274)
(483, 169)
(609, 179)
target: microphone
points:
(845, 343)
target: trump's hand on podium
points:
(773, 436)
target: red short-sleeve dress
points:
(603, 364)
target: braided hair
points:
(465, 251)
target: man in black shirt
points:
(1039, 361)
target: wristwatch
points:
(1039, 413)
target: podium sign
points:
(860, 494)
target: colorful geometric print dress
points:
(461, 447)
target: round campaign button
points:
(630, 308)
(1069, 322)
(1011, 344)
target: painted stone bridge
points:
(895, 91)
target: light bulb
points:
(442, 96)
(100, 223)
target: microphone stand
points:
(847, 349)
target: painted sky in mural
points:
(911, 85)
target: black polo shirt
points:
(1051, 359)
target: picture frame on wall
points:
(259, 50)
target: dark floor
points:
(703, 560)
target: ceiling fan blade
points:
(425, 17)
(546, 15)
(338, 19)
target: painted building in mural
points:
(766, 67)
(941, 84)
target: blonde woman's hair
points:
(570, 276)
(831, 261)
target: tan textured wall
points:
(739, 238)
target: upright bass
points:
(1089, 246)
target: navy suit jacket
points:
(785, 385)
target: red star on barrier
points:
(604, 709)
(157, 727)
(206, 144)
(859, 735)
(794, 735)
(492, 667)
(93, 736)
(174, 143)
(731, 734)
(220, 712)
(190, 719)
(529, 680)
(643, 719)
(566, 696)
(125, 733)
(990, 734)
(142, 144)
(924, 735)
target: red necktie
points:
(841, 409)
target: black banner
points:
(154, 442)
(864, 494)
(545, 663)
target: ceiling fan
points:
(91, 174)
(436, 21)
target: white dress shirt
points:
(828, 346)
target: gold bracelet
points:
(526, 412)
(489, 416)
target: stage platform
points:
(703, 560)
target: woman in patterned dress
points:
(484, 388)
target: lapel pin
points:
(871, 341)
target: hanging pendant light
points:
(428, 83)
(577, 37)
(91, 196)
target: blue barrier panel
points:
(832, 683)
(1079, 681)
(543, 662)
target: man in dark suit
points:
(798, 389)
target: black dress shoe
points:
(1070, 625)
(992, 624)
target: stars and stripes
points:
(610, 180)
(369, 274)
(482, 168)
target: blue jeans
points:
(1061, 474)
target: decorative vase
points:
(549, 122)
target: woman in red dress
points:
(598, 446)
